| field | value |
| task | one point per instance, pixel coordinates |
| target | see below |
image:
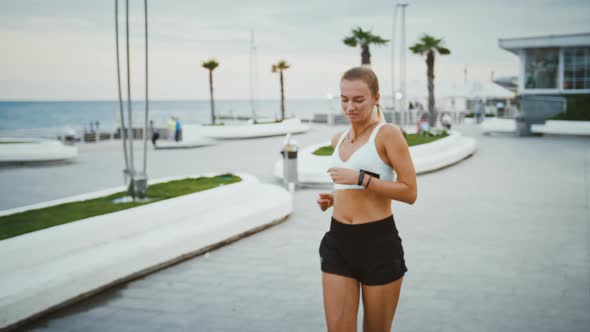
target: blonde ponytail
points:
(380, 115)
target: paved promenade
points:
(498, 242)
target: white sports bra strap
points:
(374, 133)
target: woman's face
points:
(357, 100)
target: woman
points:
(362, 251)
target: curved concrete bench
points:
(184, 144)
(491, 125)
(293, 126)
(443, 152)
(561, 127)
(35, 150)
(191, 138)
(50, 268)
(311, 169)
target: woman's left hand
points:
(342, 175)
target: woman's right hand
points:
(325, 200)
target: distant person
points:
(178, 130)
(423, 124)
(362, 252)
(446, 120)
(171, 128)
(500, 109)
(479, 111)
(153, 133)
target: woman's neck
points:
(360, 128)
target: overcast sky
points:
(65, 50)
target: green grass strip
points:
(17, 142)
(416, 139)
(267, 122)
(34, 220)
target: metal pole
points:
(252, 73)
(132, 168)
(123, 127)
(146, 90)
(403, 58)
(465, 75)
(393, 100)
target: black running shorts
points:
(372, 252)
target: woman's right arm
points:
(326, 200)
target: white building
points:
(552, 65)
(554, 78)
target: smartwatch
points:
(361, 177)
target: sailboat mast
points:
(252, 74)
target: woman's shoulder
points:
(389, 129)
(336, 138)
(390, 133)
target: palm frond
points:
(350, 41)
(360, 33)
(429, 43)
(363, 37)
(210, 64)
(443, 51)
(378, 40)
(280, 65)
(417, 49)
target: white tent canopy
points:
(486, 89)
(468, 90)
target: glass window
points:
(576, 73)
(541, 68)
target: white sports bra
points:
(366, 157)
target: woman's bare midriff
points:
(358, 206)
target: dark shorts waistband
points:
(383, 226)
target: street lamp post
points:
(399, 103)
(403, 59)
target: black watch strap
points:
(361, 177)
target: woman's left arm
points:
(405, 188)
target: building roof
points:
(568, 40)
(507, 82)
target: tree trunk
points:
(282, 98)
(365, 55)
(430, 76)
(211, 91)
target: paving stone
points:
(497, 242)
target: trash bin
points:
(140, 185)
(289, 154)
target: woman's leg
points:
(341, 302)
(380, 303)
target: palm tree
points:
(280, 66)
(364, 39)
(429, 45)
(211, 64)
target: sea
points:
(50, 119)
